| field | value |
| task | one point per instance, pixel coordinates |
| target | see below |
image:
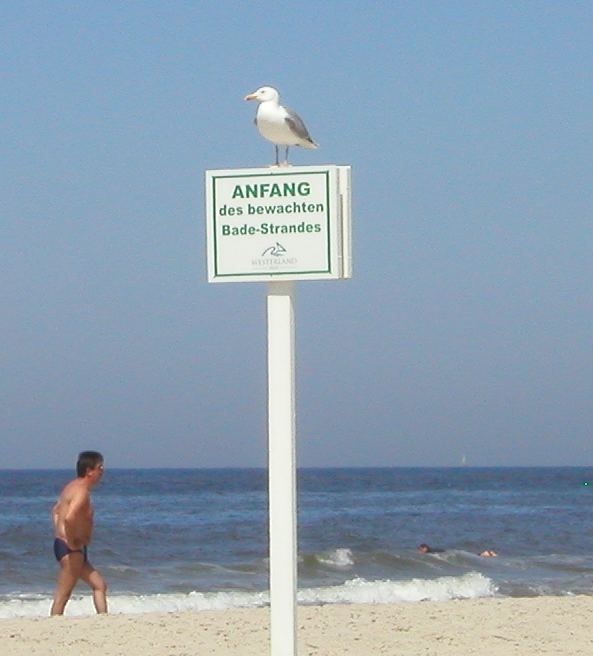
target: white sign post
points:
(282, 469)
(279, 225)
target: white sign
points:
(278, 223)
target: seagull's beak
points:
(250, 96)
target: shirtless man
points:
(72, 517)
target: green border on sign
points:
(328, 270)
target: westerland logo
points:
(277, 250)
(273, 257)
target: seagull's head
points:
(264, 94)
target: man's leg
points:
(70, 572)
(95, 581)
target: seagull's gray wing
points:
(297, 126)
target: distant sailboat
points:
(463, 460)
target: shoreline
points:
(559, 626)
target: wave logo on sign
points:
(277, 250)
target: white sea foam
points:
(338, 558)
(360, 591)
(468, 586)
(138, 604)
(31, 606)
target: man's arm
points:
(54, 514)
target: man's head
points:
(88, 460)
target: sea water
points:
(181, 539)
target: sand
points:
(559, 626)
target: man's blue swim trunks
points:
(61, 549)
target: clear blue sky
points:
(467, 327)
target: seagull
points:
(278, 124)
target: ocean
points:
(192, 539)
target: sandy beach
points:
(559, 626)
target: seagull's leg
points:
(286, 156)
(277, 155)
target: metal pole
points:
(282, 469)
